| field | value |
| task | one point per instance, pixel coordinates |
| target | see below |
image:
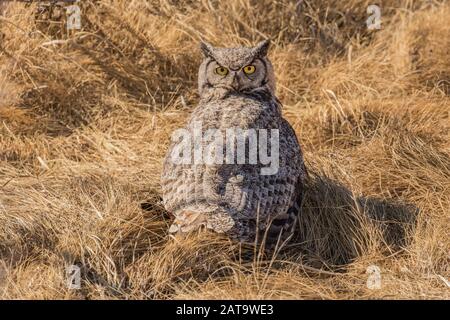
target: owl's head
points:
(236, 70)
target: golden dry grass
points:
(85, 123)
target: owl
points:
(216, 173)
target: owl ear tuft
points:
(207, 49)
(262, 48)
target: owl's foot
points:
(187, 221)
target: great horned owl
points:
(231, 195)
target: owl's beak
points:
(235, 83)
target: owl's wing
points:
(293, 149)
(256, 196)
(189, 187)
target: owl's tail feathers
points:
(282, 227)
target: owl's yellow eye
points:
(222, 71)
(249, 69)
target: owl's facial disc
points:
(235, 69)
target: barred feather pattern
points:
(237, 199)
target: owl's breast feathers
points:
(212, 194)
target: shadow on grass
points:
(336, 226)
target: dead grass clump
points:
(191, 259)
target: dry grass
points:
(84, 124)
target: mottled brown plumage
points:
(236, 198)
